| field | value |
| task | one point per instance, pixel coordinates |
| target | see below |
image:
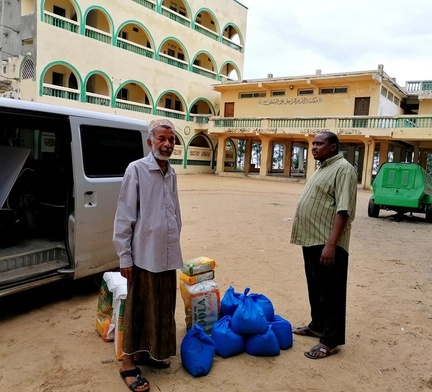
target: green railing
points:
(63, 23)
(232, 44)
(200, 118)
(206, 32)
(328, 122)
(146, 3)
(239, 122)
(97, 100)
(97, 35)
(58, 93)
(176, 17)
(135, 48)
(427, 86)
(134, 107)
(171, 114)
(172, 61)
(298, 122)
(204, 72)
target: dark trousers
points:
(327, 288)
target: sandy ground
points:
(48, 341)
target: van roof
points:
(66, 111)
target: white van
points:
(60, 175)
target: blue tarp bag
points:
(228, 343)
(283, 330)
(249, 318)
(197, 351)
(265, 304)
(230, 301)
(263, 345)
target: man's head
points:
(161, 139)
(325, 145)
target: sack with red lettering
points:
(202, 304)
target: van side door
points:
(101, 151)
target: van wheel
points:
(429, 213)
(373, 209)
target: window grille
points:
(28, 70)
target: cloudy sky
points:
(291, 37)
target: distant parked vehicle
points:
(401, 187)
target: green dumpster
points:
(401, 187)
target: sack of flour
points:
(202, 303)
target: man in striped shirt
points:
(322, 226)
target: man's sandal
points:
(319, 352)
(140, 381)
(306, 331)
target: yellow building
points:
(273, 121)
(136, 58)
(184, 59)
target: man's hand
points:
(328, 255)
(126, 273)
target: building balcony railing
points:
(418, 85)
(204, 72)
(52, 90)
(170, 113)
(232, 44)
(354, 125)
(60, 21)
(175, 16)
(146, 3)
(135, 48)
(98, 35)
(200, 118)
(98, 99)
(173, 61)
(133, 106)
(207, 32)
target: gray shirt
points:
(147, 223)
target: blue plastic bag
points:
(283, 330)
(263, 345)
(197, 351)
(249, 318)
(228, 343)
(230, 302)
(265, 304)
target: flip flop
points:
(321, 352)
(140, 381)
(306, 331)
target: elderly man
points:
(322, 226)
(147, 240)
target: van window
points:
(108, 151)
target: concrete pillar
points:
(220, 158)
(288, 158)
(248, 155)
(368, 164)
(301, 159)
(265, 163)
(423, 159)
(397, 154)
(351, 154)
(416, 155)
(383, 152)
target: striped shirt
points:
(147, 222)
(331, 189)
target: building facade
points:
(376, 120)
(139, 58)
(184, 59)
